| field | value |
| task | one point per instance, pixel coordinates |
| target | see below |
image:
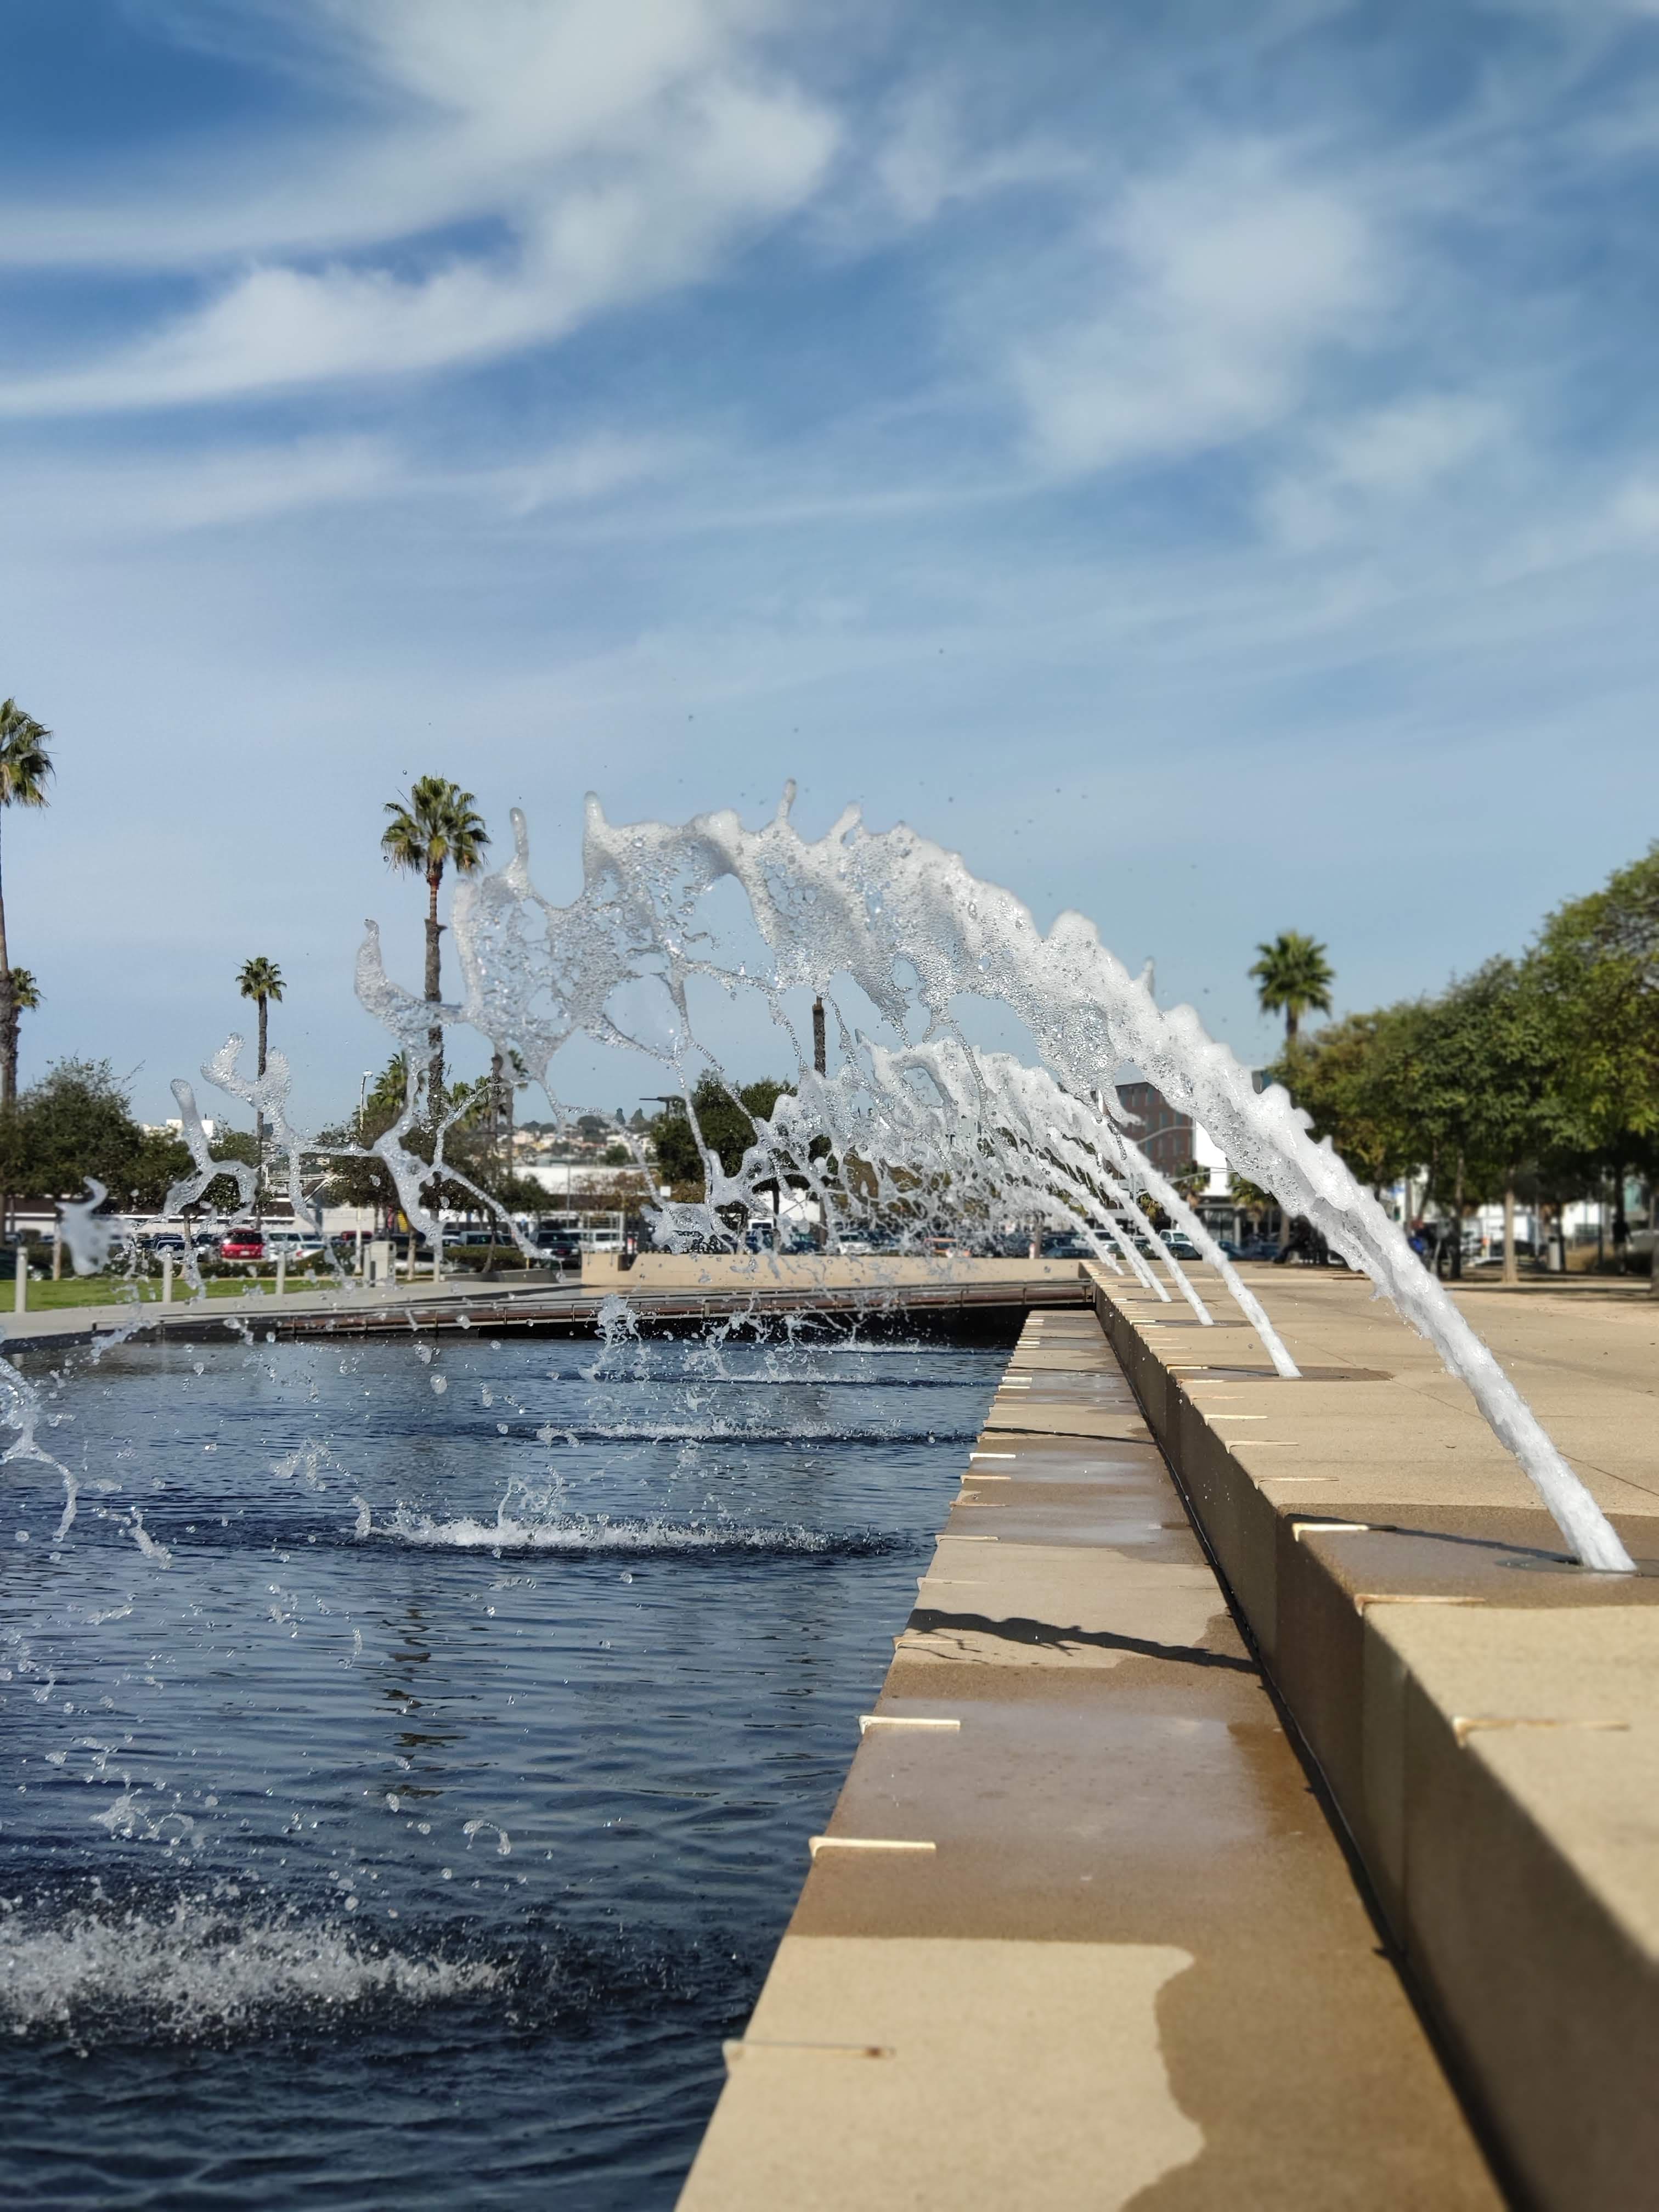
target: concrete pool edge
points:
(1070, 1934)
(1481, 1714)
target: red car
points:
(243, 1245)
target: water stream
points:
(894, 925)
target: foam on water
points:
(207, 1968)
(751, 1432)
(589, 1535)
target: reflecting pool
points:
(408, 1751)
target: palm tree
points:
(434, 828)
(1294, 976)
(260, 980)
(25, 770)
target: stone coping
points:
(1485, 1713)
(533, 1303)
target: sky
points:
(1199, 463)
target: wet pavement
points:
(1078, 1931)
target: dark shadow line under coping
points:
(1316, 1522)
(1017, 1629)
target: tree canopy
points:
(727, 1121)
(1539, 1074)
(25, 771)
(77, 1122)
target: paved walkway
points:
(1484, 1712)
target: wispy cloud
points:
(1200, 304)
(917, 400)
(130, 497)
(1391, 458)
(619, 158)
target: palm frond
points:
(25, 764)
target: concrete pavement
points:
(1485, 1713)
(1078, 1932)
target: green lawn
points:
(118, 1290)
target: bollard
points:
(57, 1253)
(167, 1279)
(23, 1299)
(282, 1272)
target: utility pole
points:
(821, 1062)
(500, 1113)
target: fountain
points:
(400, 1690)
(906, 923)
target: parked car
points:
(1181, 1245)
(242, 1244)
(1067, 1244)
(293, 1248)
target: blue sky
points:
(1200, 462)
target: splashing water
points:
(917, 1136)
(602, 1534)
(206, 1967)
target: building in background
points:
(1174, 1143)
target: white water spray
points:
(931, 1131)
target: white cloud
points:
(1205, 299)
(462, 111)
(623, 155)
(1388, 457)
(150, 498)
(926, 162)
(590, 469)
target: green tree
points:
(260, 980)
(160, 1161)
(73, 1123)
(223, 1195)
(1493, 1034)
(25, 771)
(471, 1147)
(434, 828)
(1596, 967)
(1292, 976)
(1357, 1079)
(727, 1122)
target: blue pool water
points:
(407, 1754)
